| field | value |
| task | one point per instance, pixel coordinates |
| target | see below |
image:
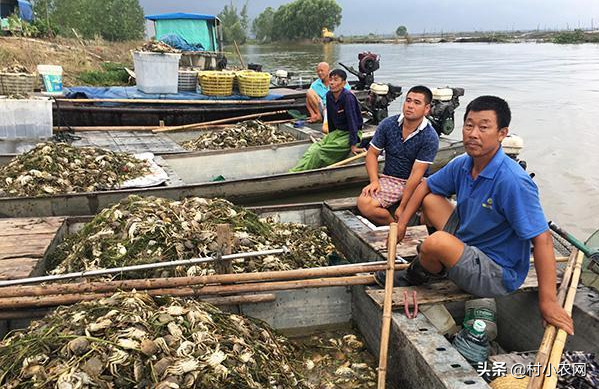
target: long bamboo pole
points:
(145, 266)
(227, 300)
(387, 305)
(350, 159)
(53, 300)
(550, 382)
(219, 121)
(172, 282)
(186, 102)
(549, 336)
(149, 128)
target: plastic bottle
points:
(473, 343)
(485, 310)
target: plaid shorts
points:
(390, 191)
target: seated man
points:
(345, 127)
(484, 242)
(410, 144)
(316, 95)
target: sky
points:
(360, 17)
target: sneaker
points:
(414, 275)
(399, 278)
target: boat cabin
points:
(195, 29)
(22, 8)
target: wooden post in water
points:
(224, 238)
(386, 327)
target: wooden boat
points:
(419, 357)
(247, 176)
(94, 112)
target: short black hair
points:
(428, 95)
(492, 103)
(339, 73)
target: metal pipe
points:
(146, 266)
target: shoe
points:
(399, 278)
(414, 275)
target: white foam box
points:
(156, 72)
(26, 118)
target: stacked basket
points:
(215, 83)
(16, 83)
(253, 84)
(188, 80)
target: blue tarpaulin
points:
(25, 10)
(174, 40)
(180, 15)
(131, 92)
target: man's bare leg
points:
(313, 106)
(441, 249)
(371, 209)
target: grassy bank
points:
(83, 63)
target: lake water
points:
(552, 90)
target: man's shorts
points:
(475, 272)
(390, 191)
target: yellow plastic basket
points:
(253, 84)
(215, 83)
(16, 83)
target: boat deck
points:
(24, 243)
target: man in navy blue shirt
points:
(345, 126)
(410, 144)
(483, 243)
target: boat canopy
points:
(193, 28)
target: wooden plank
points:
(341, 204)
(17, 268)
(25, 246)
(440, 292)
(22, 226)
(405, 249)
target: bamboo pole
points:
(226, 120)
(550, 382)
(350, 159)
(186, 102)
(542, 356)
(239, 55)
(227, 300)
(387, 305)
(53, 300)
(173, 282)
(150, 128)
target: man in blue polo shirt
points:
(484, 242)
(410, 144)
(345, 127)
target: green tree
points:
(234, 25)
(263, 24)
(114, 20)
(401, 31)
(304, 19)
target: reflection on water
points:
(552, 90)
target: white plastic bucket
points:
(156, 72)
(52, 79)
(26, 118)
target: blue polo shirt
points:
(499, 212)
(400, 154)
(321, 89)
(344, 114)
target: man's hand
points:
(357, 150)
(371, 189)
(554, 314)
(401, 232)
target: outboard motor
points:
(445, 101)
(368, 63)
(379, 98)
(281, 77)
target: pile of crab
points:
(52, 168)
(244, 134)
(131, 340)
(141, 230)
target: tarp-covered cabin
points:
(8, 7)
(193, 28)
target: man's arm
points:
(418, 171)
(413, 204)
(545, 266)
(372, 168)
(353, 117)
